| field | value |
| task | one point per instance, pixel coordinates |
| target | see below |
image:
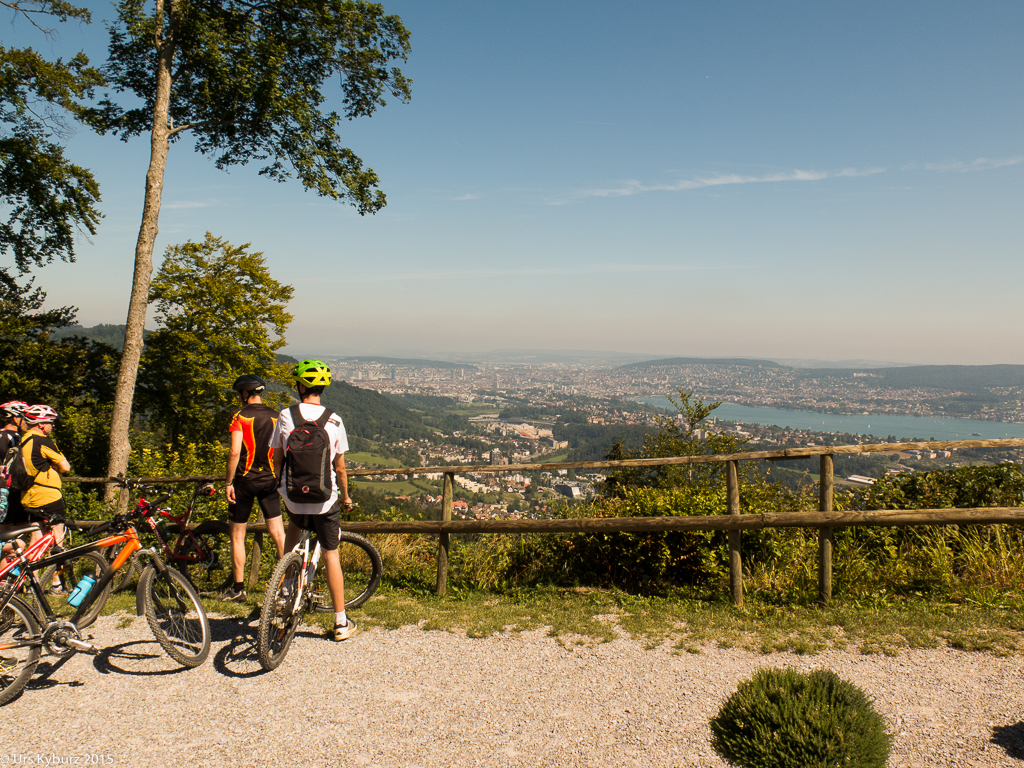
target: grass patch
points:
(586, 616)
(593, 616)
(364, 457)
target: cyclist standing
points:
(251, 476)
(10, 436)
(45, 464)
(312, 377)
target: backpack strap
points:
(298, 418)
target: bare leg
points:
(237, 550)
(335, 579)
(276, 529)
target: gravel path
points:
(415, 698)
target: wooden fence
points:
(734, 521)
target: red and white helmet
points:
(13, 409)
(40, 414)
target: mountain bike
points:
(173, 610)
(297, 587)
(193, 552)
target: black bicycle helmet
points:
(249, 383)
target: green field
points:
(364, 457)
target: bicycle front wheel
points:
(279, 619)
(175, 615)
(60, 580)
(200, 558)
(362, 568)
(19, 648)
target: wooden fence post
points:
(443, 540)
(826, 479)
(732, 487)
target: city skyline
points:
(792, 181)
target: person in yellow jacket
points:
(45, 464)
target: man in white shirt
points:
(312, 377)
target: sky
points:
(827, 181)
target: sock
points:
(238, 586)
(340, 619)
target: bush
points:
(788, 719)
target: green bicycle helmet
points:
(312, 373)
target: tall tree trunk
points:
(120, 422)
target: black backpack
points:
(13, 473)
(308, 458)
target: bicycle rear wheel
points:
(200, 558)
(278, 619)
(17, 664)
(175, 615)
(362, 568)
(61, 579)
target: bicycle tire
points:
(278, 621)
(69, 573)
(17, 665)
(362, 568)
(176, 615)
(206, 577)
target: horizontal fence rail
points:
(734, 521)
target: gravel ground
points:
(415, 698)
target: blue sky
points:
(789, 180)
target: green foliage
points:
(372, 416)
(248, 82)
(46, 197)
(74, 376)
(789, 719)
(678, 437)
(981, 486)
(218, 307)
(199, 458)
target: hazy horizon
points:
(797, 181)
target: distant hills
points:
(972, 379)
(407, 362)
(112, 335)
(673, 361)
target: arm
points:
(234, 454)
(339, 469)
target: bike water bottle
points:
(78, 593)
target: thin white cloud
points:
(185, 204)
(470, 196)
(606, 269)
(981, 164)
(634, 187)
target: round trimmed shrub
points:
(782, 718)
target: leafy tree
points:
(687, 436)
(221, 315)
(46, 197)
(75, 376)
(246, 80)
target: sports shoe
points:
(7, 663)
(345, 631)
(56, 589)
(231, 596)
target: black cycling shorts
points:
(327, 526)
(45, 512)
(263, 490)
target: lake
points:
(879, 425)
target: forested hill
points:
(103, 333)
(671, 361)
(370, 415)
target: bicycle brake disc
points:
(56, 637)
